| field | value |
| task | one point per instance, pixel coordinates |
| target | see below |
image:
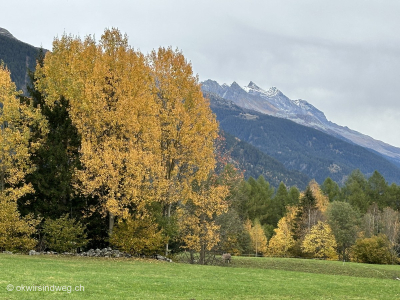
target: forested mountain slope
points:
(18, 57)
(273, 102)
(310, 151)
(255, 163)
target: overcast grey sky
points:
(342, 56)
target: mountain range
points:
(299, 148)
(273, 102)
(264, 130)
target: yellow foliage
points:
(137, 235)
(320, 242)
(322, 200)
(109, 88)
(188, 127)
(282, 242)
(15, 119)
(196, 217)
(147, 131)
(15, 232)
(259, 241)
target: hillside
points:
(18, 57)
(273, 102)
(255, 163)
(309, 151)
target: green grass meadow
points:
(245, 278)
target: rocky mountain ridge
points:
(312, 152)
(273, 102)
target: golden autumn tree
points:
(198, 227)
(320, 242)
(322, 201)
(311, 209)
(283, 241)
(108, 86)
(258, 239)
(16, 120)
(188, 131)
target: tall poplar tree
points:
(108, 86)
(16, 120)
(188, 131)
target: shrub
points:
(15, 231)
(137, 236)
(64, 234)
(374, 250)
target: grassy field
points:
(245, 278)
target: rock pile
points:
(106, 252)
(160, 257)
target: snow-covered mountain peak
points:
(274, 102)
(273, 91)
(253, 88)
(301, 103)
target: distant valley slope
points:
(273, 102)
(18, 57)
(254, 163)
(304, 149)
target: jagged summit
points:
(274, 102)
(254, 86)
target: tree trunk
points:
(191, 257)
(168, 215)
(111, 219)
(203, 254)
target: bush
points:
(374, 250)
(137, 236)
(15, 231)
(64, 234)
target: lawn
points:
(245, 278)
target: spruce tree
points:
(56, 158)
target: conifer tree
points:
(56, 158)
(331, 189)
